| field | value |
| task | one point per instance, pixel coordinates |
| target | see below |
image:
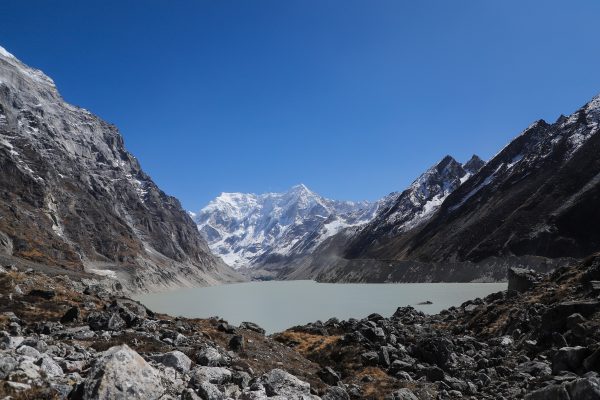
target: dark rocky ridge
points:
(538, 196)
(536, 200)
(72, 196)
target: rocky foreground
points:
(62, 338)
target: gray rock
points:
(50, 367)
(175, 359)
(569, 359)
(103, 321)
(584, 389)
(335, 393)
(122, 374)
(402, 394)
(241, 378)
(189, 394)
(554, 392)
(209, 356)
(7, 364)
(329, 376)
(521, 280)
(369, 358)
(535, 368)
(216, 375)
(209, 391)
(278, 382)
(592, 362)
(253, 327)
(29, 352)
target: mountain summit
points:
(248, 230)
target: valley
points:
(479, 280)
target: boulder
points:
(521, 280)
(554, 392)
(225, 327)
(434, 350)
(175, 359)
(584, 389)
(569, 359)
(335, 393)
(7, 364)
(253, 327)
(329, 376)
(236, 343)
(216, 375)
(50, 367)
(209, 356)
(402, 394)
(209, 391)
(555, 319)
(278, 382)
(105, 321)
(121, 373)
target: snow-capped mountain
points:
(414, 206)
(72, 196)
(249, 230)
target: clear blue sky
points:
(353, 98)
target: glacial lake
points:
(278, 305)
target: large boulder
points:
(521, 280)
(553, 392)
(569, 359)
(584, 389)
(121, 374)
(105, 321)
(211, 357)
(555, 319)
(252, 326)
(215, 375)
(175, 359)
(435, 350)
(278, 382)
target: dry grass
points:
(306, 343)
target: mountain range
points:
(271, 231)
(249, 230)
(72, 196)
(533, 204)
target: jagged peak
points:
(593, 104)
(474, 164)
(300, 188)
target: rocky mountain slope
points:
(537, 196)
(249, 230)
(534, 203)
(72, 196)
(415, 205)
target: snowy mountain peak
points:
(6, 54)
(15, 72)
(248, 230)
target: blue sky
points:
(353, 98)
